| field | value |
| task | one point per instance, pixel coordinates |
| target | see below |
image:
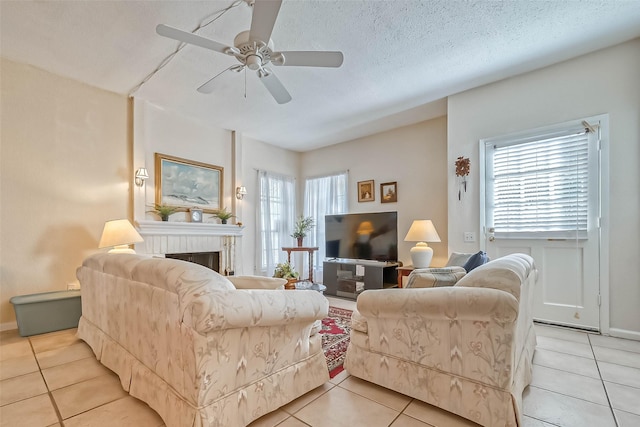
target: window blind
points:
(539, 187)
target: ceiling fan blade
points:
(186, 37)
(277, 90)
(210, 84)
(308, 59)
(263, 19)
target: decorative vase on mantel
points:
(300, 239)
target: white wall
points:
(157, 130)
(413, 156)
(65, 170)
(257, 155)
(606, 81)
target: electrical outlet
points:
(469, 236)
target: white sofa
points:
(199, 351)
(466, 348)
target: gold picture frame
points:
(188, 184)
(389, 192)
(366, 192)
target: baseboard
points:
(8, 326)
(624, 333)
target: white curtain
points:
(325, 195)
(275, 219)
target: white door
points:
(542, 197)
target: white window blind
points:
(538, 187)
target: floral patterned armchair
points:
(197, 349)
(466, 348)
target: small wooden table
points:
(302, 249)
(404, 271)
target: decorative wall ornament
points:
(463, 165)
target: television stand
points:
(348, 278)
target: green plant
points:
(302, 226)
(223, 215)
(285, 270)
(163, 211)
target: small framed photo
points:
(195, 215)
(389, 192)
(366, 191)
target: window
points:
(324, 195)
(276, 216)
(537, 184)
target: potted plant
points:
(163, 211)
(223, 215)
(302, 226)
(285, 270)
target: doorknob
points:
(491, 236)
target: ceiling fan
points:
(254, 50)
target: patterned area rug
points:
(335, 338)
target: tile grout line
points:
(46, 384)
(606, 392)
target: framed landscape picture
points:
(188, 184)
(389, 192)
(366, 192)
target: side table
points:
(302, 249)
(404, 271)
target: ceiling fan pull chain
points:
(245, 82)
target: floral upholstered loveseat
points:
(200, 352)
(466, 348)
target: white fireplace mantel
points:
(172, 237)
(174, 228)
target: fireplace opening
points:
(208, 259)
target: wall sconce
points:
(141, 176)
(240, 192)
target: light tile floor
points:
(579, 379)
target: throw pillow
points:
(458, 259)
(476, 260)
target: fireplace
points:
(182, 240)
(208, 259)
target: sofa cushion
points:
(434, 277)
(476, 260)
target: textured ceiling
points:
(402, 58)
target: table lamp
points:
(422, 231)
(119, 234)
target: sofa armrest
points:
(220, 310)
(460, 303)
(435, 277)
(257, 282)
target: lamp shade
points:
(142, 173)
(119, 233)
(422, 231)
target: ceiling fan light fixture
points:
(254, 62)
(263, 72)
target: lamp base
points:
(421, 255)
(122, 249)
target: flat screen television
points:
(367, 236)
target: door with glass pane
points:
(541, 197)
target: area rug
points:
(335, 338)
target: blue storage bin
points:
(47, 312)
